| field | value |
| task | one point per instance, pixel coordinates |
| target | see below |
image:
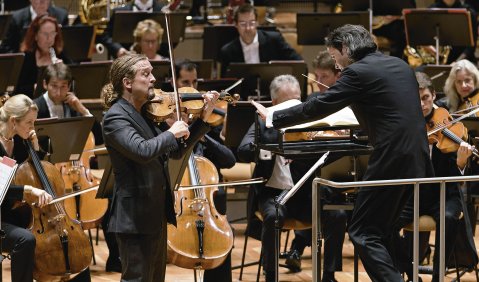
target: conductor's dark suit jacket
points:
(21, 19)
(272, 46)
(139, 154)
(383, 94)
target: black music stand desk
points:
(78, 40)
(313, 28)
(434, 27)
(4, 23)
(10, 67)
(67, 136)
(257, 78)
(83, 85)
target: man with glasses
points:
(22, 18)
(254, 46)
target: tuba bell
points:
(425, 55)
(97, 12)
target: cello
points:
(77, 176)
(62, 248)
(203, 237)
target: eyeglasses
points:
(247, 24)
(149, 42)
(48, 34)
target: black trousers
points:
(334, 227)
(376, 211)
(143, 256)
(453, 212)
(298, 207)
(20, 243)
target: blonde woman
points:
(147, 36)
(461, 85)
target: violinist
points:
(445, 164)
(461, 86)
(142, 202)
(186, 74)
(17, 116)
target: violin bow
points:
(452, 122)
(172, 66)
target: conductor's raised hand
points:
(260, 109)
(180, 129)
(210, 99)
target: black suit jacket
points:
(272, 46)
(21, 19)
(382, 91)
(139, 152)
(107, 40)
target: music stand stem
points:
(436, 39)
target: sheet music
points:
(8, 167)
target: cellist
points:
(17, 116)
(142, 201)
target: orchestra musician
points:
(334, 221)
(115, 49)
(42, 38)
(253, 45)
(22, 18)
(147, 36)
(142, 202)
(17, 116)
(382, 93)
(461, 86)
(445, 164)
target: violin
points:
(62, 248)
(162, 106)
(448, 139)
(77, 176)
(470, 103)
(202, 237)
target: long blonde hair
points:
(122, 67)
(453, 98)
(17, 107)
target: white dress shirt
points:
(251, 51)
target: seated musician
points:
(147, 36)
(445, 164)
(17, 116)
(43, 35)
(460, 52)
(116, 49)
(282, 174)
(254, 46)
(461, 86)
(334, 221)
(22, 18)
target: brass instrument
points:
(97, 12)
(423, 55)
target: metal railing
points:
(411, 181)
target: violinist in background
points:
(43, 45)
(445, 164)
(17, 116)
(148, 34)
(143, 201)
(460, 52)
(461, 87)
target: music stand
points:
(434, 27)
(78, 40)
(126, 21)
(107, 182)
(4, 23)
(257, 78)
(65, 149)
(204, 68)
(380, 7)
(215, 37)
(161, 71)
(10, 67)
(240, 117)
(438, 75)
(83, 85)
(313, 28)
(299, 68)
